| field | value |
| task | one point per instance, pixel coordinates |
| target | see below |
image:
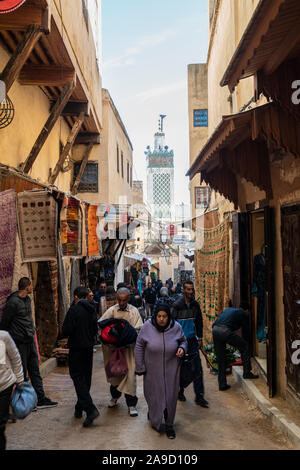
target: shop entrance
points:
(252, 235)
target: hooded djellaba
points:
(156, 359)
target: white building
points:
(160, 178)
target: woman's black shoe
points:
(226, 387)
(78, 414)
(90, 418)
(170, 432)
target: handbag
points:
(23, 400)
(117, 365)
(190, 369)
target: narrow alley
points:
(231, 422)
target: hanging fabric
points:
(37, 222)
(8, 229)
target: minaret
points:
(160, 177)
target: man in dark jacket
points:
(187, 312)
(224, 332)
(80, 326)
(17, 320)
(149, 295)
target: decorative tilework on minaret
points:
(160, 176)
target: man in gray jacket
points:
(17, 320)
(11, 372)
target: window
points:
(122, 164)
(85, 13)
(131, 176)
(118, 160)
(89, 180)
(128, 172)
(200, 118)
(202, 197)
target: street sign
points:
(6, 6)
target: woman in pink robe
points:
(159, 348)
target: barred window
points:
(89, 180)
(202, 197)
(200, 118)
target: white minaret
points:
(160, 177)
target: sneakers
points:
(113, 403)
(170, 432)
(226, 387)
(46, 403)
(132, 411)
(181, 396)
(200, 400)
(250, 375)
(90, 418)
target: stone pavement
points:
(231, 422)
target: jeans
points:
(81, 367)
(30, 363)
(149, 310)
(130, 400)
(198, 383)
(223, 335)
(4, 414)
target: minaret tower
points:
(160, 177)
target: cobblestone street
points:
(231, 422)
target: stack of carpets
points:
(71, 227)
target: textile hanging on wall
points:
(8, 229)
(45, 308)
(37, 221)
(71, 227)
(63, 303)
(92, 222)
(83, 207)
(212, 276)
(75, 277)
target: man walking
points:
(17, 320)
(149, 295)
(187, 312)
(127, 384)
(80, 326)
(224, 332)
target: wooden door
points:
(270, 302)
(290, 235)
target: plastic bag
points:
(23, 400)
(117, 365)
(190, 369)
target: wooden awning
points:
(239, 146)
(272, 37)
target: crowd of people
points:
(155, 328)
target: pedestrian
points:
(126, 384)
(140, 286)
(11, 372)
(80, 327)
(187, 312)
(159, 347)
(224, 332)
(17, 320)
(149, 295)
(163, 298)
(100, 291)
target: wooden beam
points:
(74, 108)
(20, 56)
(56, 112)
(46, 75)
(67, 148)
(27, 14)
(82, 167)
(282, 52)
(87, 138)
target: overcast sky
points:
(146, 48)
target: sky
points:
(146, 47)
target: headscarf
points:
(162, 308)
